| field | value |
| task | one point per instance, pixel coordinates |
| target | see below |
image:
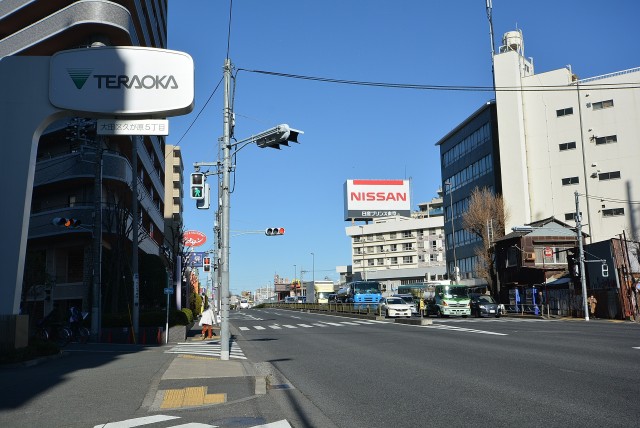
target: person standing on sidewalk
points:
(592, 305)
(206, 321)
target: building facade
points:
(79, 175)
(546, 137)
(470, 158)
(398, 250)
(559, 135)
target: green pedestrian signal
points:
(197, 185)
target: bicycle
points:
(57, 333)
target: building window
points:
(602, 104)
(433, 257)
(609, 175)
(369, 237)
(392, 235)
(393, 261)
(564, 111)
(606, 140)
(568, 146)
(570, 216)
(613, 212)
(407, 259)
(406, 234)
(380, 262)
(380, 249)
(570, 180)
(394, 247)
(370, 262)
(379, 237)
(407, 247)
(72, 201)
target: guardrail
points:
(350, 308)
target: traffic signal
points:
(280, 135)
(66, 222)
(274, 231)
(207, 264)
(197, 185)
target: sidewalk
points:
(194, 380)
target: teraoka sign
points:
(123, 80)
(368, 199)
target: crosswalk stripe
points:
(275, 327)
(148, 420)
(349, 323)
(258, 327)
(244, 328)
(305, 325)
(136, 422)
(320, 325)
(289, 326)
(206, 348)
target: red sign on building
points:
(194, 238)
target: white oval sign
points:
(123, 80)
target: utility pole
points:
(134, 235)
(583, 279)
(224, 259)
(97, 247)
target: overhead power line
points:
(467, 88)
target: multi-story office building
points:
(68, 181)
(546, 137)
(398, 250)
(470, 159)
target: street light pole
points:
(313, 268)
(225, 210)
(453, 231)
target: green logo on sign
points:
(79, 75)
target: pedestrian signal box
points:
(197, 185)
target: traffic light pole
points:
(225, 209)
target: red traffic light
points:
(274, 231)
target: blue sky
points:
(356, 132)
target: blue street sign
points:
(168, 291)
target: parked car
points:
(394, 307)
(409, 299)
(483, 304)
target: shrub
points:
(189, 316)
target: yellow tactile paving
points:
(194, 396)
(215, 398)
(172, 398)
(190, 397)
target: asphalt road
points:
(457, 372)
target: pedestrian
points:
(592, 305)
(206, 321)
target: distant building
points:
(398, 250)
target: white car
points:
(394, 307)
(409, 299)
(244, 304)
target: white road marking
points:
(136, 422)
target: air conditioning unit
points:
(529, 257)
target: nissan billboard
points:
(368, 199)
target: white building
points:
(398, 250)
(559, 135)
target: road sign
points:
(548, 252)
(168, 290)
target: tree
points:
(486, 218)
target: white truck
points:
(318, 291)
